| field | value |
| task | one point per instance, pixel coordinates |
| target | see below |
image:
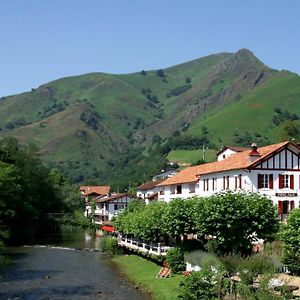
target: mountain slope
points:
(97, 125)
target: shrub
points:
(290, 235)
(175, 259)
(209, 283)
(160, 73)
(110, 246)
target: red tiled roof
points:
(111, 198)
(97, 189)
(236, 161)
(149, 185)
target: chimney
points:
(254, 154)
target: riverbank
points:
(142, 272)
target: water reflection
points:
(46, 271)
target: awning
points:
(108, 228)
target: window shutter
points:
(292, 182)
(213, 184)
(292, 204)
(271, 181)
(281, 181)
(259, 181)
(240, 181)
(223, 182)
(235, 182)
(280, 207)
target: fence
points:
(135, 244)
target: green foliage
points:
(179, 90)
(228, 221)
(188, 80)
(175, 259)
(209, 283)
(280, 116)
(160, 73)
(290, 235)
(28, 190)
(110, 246)
(143, 73)
(178, 218)
(232, 219)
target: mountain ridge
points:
(88, 124)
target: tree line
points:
(29, 191)
(228, 221)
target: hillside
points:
(98, 125)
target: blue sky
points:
(44, 40)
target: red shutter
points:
(259, 181)
(292, 182)
(292, 204)
(280, 207)
(281, 181)
(271, 181)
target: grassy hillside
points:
(187, 157)
(97, 126)
(253, 113)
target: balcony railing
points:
(102, 212)
(135, 244)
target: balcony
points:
(101, 212)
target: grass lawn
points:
(142, 272)
(190, 156)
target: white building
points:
(164, 174)
(107, 207)
(149, 191)
(273, 171)
(229, 150)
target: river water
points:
(55, 268)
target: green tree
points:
(178, 218)
(160, 73)
(232, 220)
(28, 189)
(290, 235)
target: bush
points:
(160, 73)
(290, 235)
(110, 246)
(209, 283)
(175, 260)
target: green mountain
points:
(102, 126)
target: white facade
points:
(185, 190)
(277, 176)
(145, 193)
(224, 154)
(108, 207)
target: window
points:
(192, 188)
(225, 182)
(214, 184)
(178, 189)
(265, 181)
(286, 181)
(172, 189)
(115, 206)
(206, 184)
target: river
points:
(54, 268)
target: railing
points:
(157, 249)
(102, 212)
